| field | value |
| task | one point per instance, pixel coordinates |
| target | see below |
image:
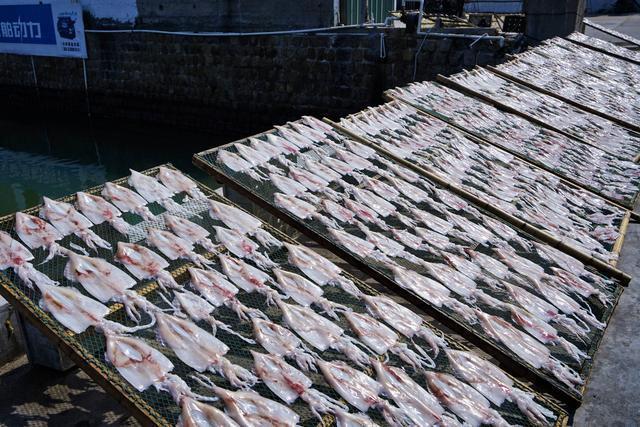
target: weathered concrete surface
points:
(36, 396)
(612, 397)
(550, 18)
(628, 24)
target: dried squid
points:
(200, 350)
(174, 247)
(242, 247)
(403, 320)
(494, 384)
(321, 333)
(382, 339)
(67, 221)
(199, 309)
(152, 191)
(126, 200)
(189, 231)
(419, 405)
(37, 233)
(281, 342)
(98, 210)
(239, 220)
(319, 269)
(463, 400)
(14, 255)
(289, 384)
(217, 290)
(143, 263)
(360, 390)
(177, 182)
(250, 409)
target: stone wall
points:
(233, 15)
(231, 83)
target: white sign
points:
(53, 28)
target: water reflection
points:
(58, 158)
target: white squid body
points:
(294, 205)
(67, 221)
(303, 291)
(354, 386)
(14, 255)
(494, 384)
(98, 210)
(192, 344)
(245, 276)
(177, 182)
(199, 309)
(527, 348)
(149, 188)
(126, 200)
(174, 247)
(347, 419)
(281, 342)
(212, 285)
(289, 384)
(101, 279)
(381, 339)
(453, 279)
(431, 290)
(198, 414)
(143, 263)
(402, 320)
(238, 220)
(249, 409)
(319, 269)
(139, 363)
(189, 231)
(320, 332)
(199, 349)
(37, 233)
(463, 400)
(416, 402)
(74, 310)
(242, 247)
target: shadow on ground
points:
(37, 396)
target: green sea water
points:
(56, 158)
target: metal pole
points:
(86, 86)
(35, 79)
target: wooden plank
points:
(576, 104)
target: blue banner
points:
(50, 28)
(29, 23)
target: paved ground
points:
(627, 24)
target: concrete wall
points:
(232, 83)
(235, 15)
(550, 18)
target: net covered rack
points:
(152, 407)
(495, 177)
(580, 163)
(603, 46)
(262, 193)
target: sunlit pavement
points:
(628, 24)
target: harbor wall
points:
(230, 83)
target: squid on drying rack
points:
(37, 233)
(127, 200)
(67, 221)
